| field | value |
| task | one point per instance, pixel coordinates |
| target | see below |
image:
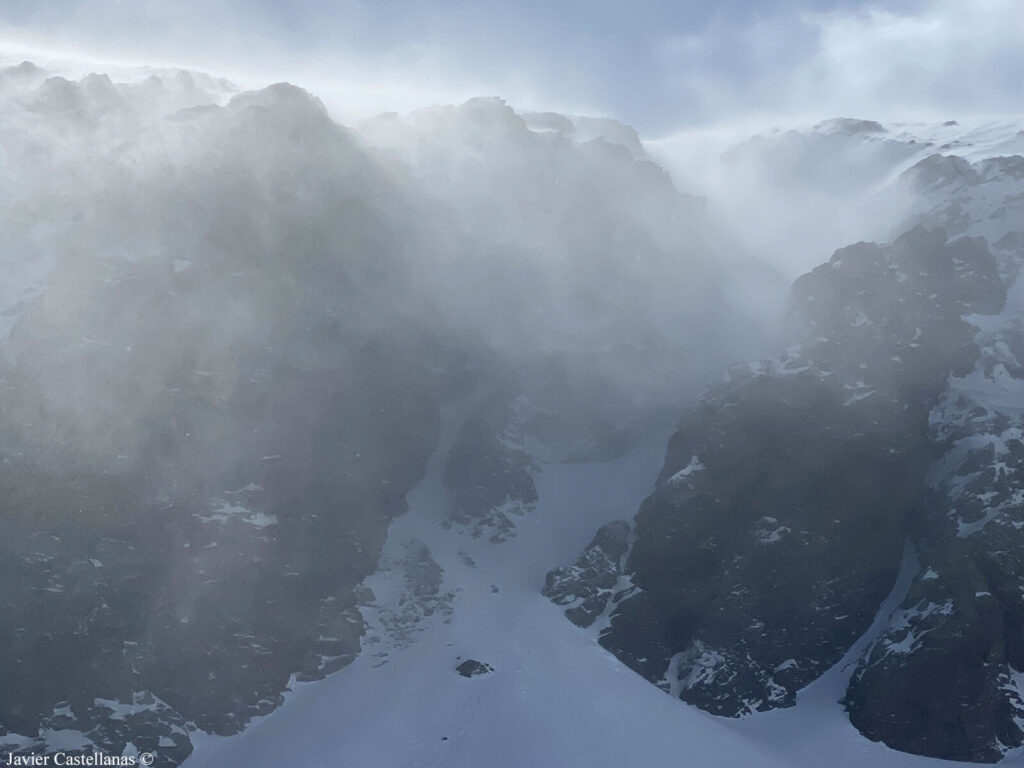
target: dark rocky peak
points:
(233, 437)
(945, 677)
(176, 92)
(849, 125)
(891, 314)
(474, 668)
(836, 157)
(489, 110)
(283, 117)
(90, 98)
(586, 586)
(778, 522)
(611, 131)
(189, 78)
(479, 118)
(57, 94)
(919, 273)
(587, 129)
(488, 470)
(939, 170)
(1008, 167)
(18, 73)
(283, 96)
(101, 89)
(25, 69)
(980, 199)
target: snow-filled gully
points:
(555, 697)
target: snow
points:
(119, 710)
(907, 620)
(769, 531)
(695, 465)
(1015, 684)
(225, 511)
(858, 396)
(16, 741)
(64, 739)
(555, 696)
(775, 195)
(991, 389)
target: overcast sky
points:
(659, 66)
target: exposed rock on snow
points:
(756, 573)
(488, 472)
(473, 668)
(586, 586)
(952, 651)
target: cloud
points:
(952, 58)
(955, 56)
(361, 60)
(656, 66)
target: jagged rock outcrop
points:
(893, 386)
(587, 585)
(488, 471)
(945, 678)
(203, 439)
(473, 668)
(778, 521)
(980, 199)
(421, 597)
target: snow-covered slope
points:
(554, 696)
(795, 195)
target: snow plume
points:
(799, 193)
(561, 238)
(161, 228)
(553, 241)
(229, 324)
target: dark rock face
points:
(849, 125)
(953, 652)
(587, 585)
(488, 471)
(200, 460)
(778, 522)
(421, 597)
(223, 368)
(981, 198)
(473, 668)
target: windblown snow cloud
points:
(657, 66)
(949, 58)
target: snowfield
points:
(555, 697)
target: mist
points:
(232, 325)
(337, 353)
